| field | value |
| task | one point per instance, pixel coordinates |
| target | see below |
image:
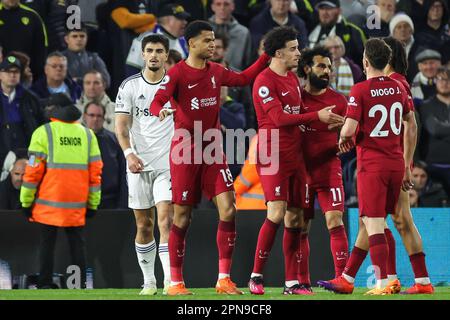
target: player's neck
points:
(278, 67)
(195, 62)
(313, 90)
(374, 74)
(388, 71)
(153, 76)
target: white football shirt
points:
(150, 138)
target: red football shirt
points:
(277, 101)
(378, 104)
(319, 143)
(197, 91)
(401, 78)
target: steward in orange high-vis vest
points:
(62, 180)
(249, 192)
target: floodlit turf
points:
(442, 293)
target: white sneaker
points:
(149, 290)
(166, 287)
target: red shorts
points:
(189, 180)
(331, 198)
(378, 192)
(286, 185)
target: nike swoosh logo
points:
(336, 204)
(340, 258)
(229, 184)
(192, 86)
(284, 93)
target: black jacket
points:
(22, 29)
(435, 116)
(32, 115)
(9, 196)
(114, 184)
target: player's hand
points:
(135, 164)
(165, 113)
(335, 126)
(326, 116)
(407, 180)
(345, 145)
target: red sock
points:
(379, 253)
(176, 252)
(418, 265)
(391, 264)
(226, 236)
(355, 261)
(291, 246)
(303, 273)
(339, 249)
(266, 238)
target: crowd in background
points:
(40, 56)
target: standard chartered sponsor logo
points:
(196, 104)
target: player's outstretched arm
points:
(165, 92)
(346, 137)
(244, 78)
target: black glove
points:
(90, 213)
(26, 212)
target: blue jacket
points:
(41, 90)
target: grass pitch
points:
(441, 293)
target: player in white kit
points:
(146, 144)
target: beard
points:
(154, 69)
(319, 82)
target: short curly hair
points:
(276, 39)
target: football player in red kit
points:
(377, 108)
(322, 163)
(195, 85)
(277, 100)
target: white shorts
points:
(148, 188)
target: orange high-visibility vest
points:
(63, 175)
(249, 192)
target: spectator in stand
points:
(413, 8)
(56, 79)
(114, 184)
(129, 19)
(423, 85)
(413, 198)
(430, 194)
(20, 111)
(23, 30)
(345, 72)
(79, 60)
(435, 116)
(232, 116)
(402, 29)
(94, 91)
(173, 58)
(387, 11)
(275, 15)
(238, 94)
(10, 188)
(433, 33)
(331, 23)
(172, 21)
(239, 53)
(54, 15)
(26, 76)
